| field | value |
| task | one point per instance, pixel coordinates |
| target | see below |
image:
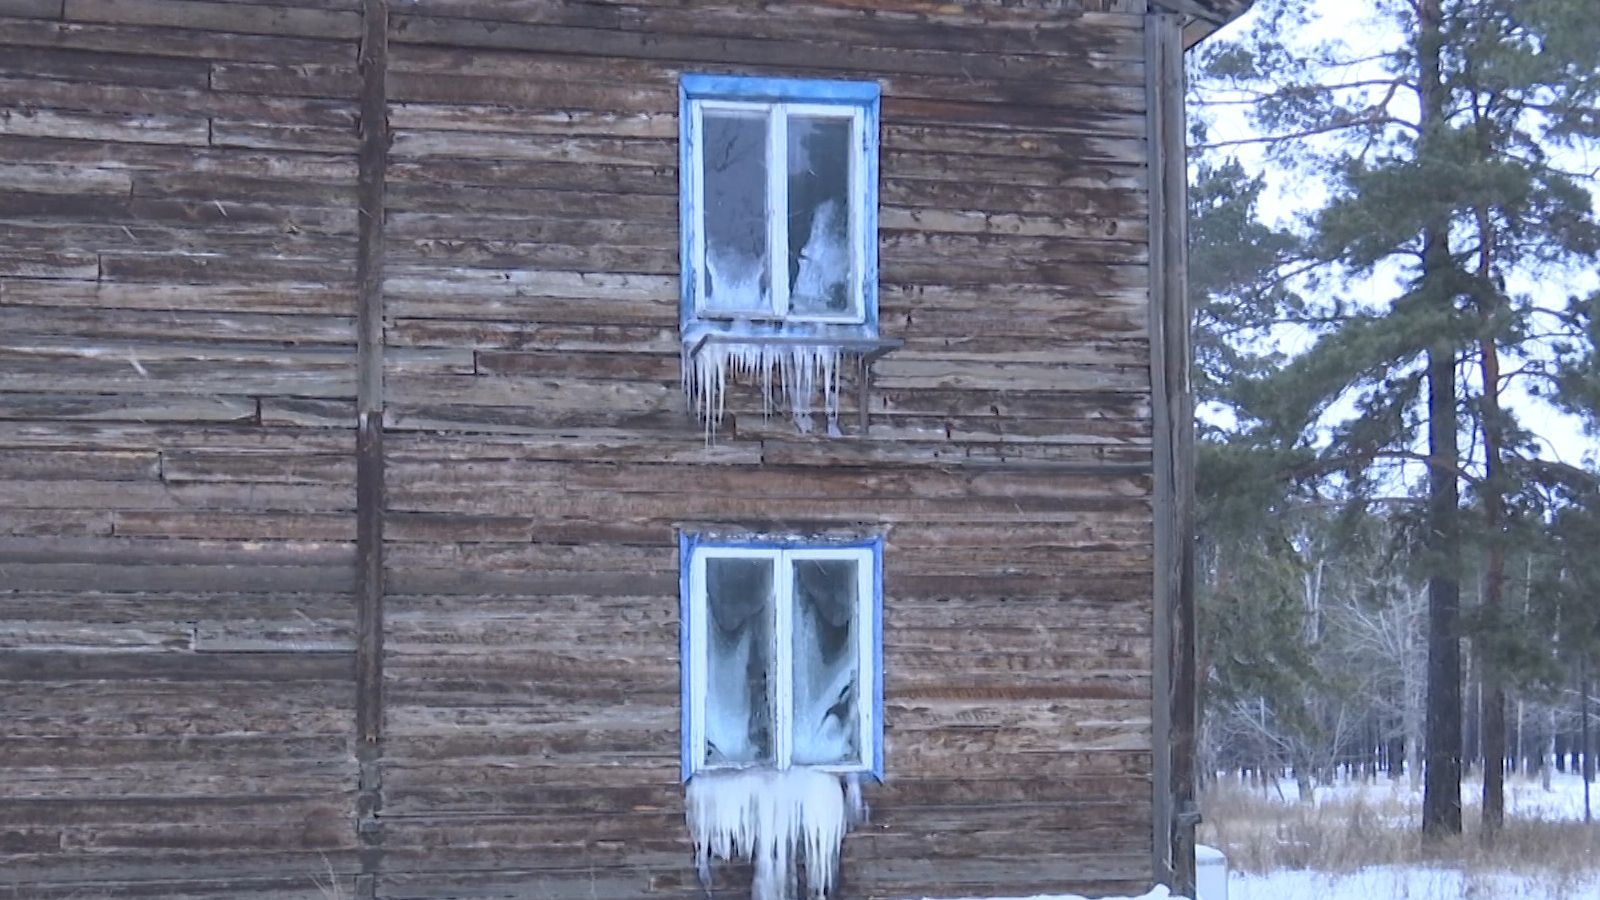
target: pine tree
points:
(1449, 210)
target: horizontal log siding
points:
(177, 239)
(534, 494)
(177, 386)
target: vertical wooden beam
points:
(373, 164)
(1176, 711)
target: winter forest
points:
(1394, 251)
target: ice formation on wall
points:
(776, 820)
(801, 379)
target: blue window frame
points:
(782, 660)
(778, 204)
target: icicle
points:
(802, 379)
(773, 819)
(855, 804)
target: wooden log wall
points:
(178, 386)
(177, 242)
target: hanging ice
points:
(776, 820)
(802, 379)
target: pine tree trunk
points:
(1441, 798)
(1492, 685)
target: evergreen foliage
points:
(1422, 293)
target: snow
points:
(1526, 797)
(795, 377)
(1159, 893)
(1408, 883)
(1392, 804)
(775, 819)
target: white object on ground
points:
(1156, 893)
(1210, 873)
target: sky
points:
(1288, 196)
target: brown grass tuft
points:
(1348, 831)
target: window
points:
(780, 651)
(779, 208)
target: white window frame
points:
(697, 650)
(778, 100)
(777, 116)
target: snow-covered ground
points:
(1409, 883)
(1526, 798)
(1400, 808)
(1157, 894)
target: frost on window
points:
(739, 595)
(734, 151)
(825, 662)
(819, 215)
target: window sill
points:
(868, 350)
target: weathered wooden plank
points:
(768, 43)
(37, 9)
(81, 66)
(86, 465)
(161, 551)
(54, 522)
(25, 635)
(24, 262)
(236, 526)
(25, 666)
(414, 197)
(228, 188)
(166, 267)
(332, 81)
(515, 477)
(260, 467)
(56, 179)
(1005, 376)
(126, 407)
(237, 18)
(171, 43)
(233, 133)
(240, 297)
(90, 126)
(205, 610)
(147, 325)
(145, 100)
(58, 152)
(131, 495)
(306, 413)
(224, 576)
(529, 336)
(650, 152)
(123, 437)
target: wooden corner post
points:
(1176, 712)
(373, 163)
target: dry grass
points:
(1349, 831)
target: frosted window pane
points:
(734, 155)
(819, 215)
(738, 683)
(826, 725)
